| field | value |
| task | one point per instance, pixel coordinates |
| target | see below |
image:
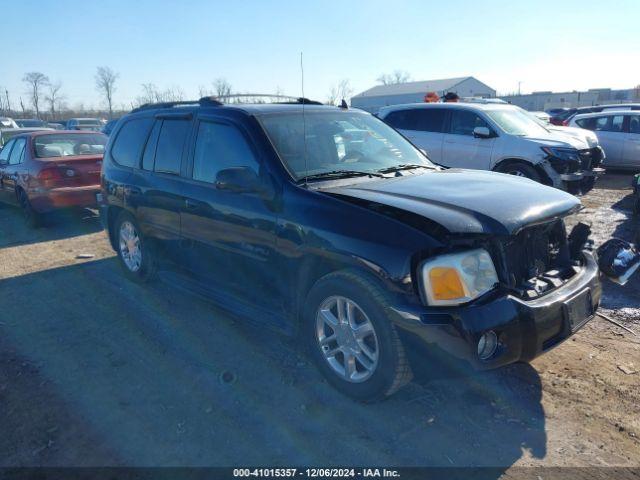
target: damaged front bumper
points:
(524, 328)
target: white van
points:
(619, 134)
(503, 138)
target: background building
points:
(411, 92)
(538, 101)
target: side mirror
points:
(239, 180)
(481, 132)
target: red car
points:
(48, 170)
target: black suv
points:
(327, 223)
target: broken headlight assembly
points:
(563, 160)
(457, 278)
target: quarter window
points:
(220, 146)
(170, 145)
(127, 147)
(17, 154)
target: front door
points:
(230, 235)
(460, 148)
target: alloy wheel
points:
(347, 339)
(130, 249)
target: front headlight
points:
(457, 278)
(563, 160)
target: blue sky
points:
(547, 45)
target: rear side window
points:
(173, 133)
(17, 154)
(4, 154)
(609, 123)
(127, 146)
(634, 124)
(220, 146)
(149, 154)
(463, 122)
(419, 119)
(403, 119)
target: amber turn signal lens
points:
(445, 283)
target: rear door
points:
(424, 127)
(610, 132)
(631, 153)
(159, 185)
(230, 235)
(460, 148)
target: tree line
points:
(45, 98)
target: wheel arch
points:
(314, 269)
(505, 162)
(112, 214)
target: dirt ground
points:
(95, 370)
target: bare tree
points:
(36, 82)
(203, 91)
(340, 91)
(221, 87)
(54, 97)
(106, 85)
(151, 94)
(398, 76)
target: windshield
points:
(47, 146)
(338, 141)
(516, 122)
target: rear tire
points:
(136, 254)
(368, 365)
(32, 218)
(520, 169)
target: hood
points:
(467, 201)
(586, 136)
(557, 139)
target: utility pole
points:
(6, 93)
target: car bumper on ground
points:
(64, 197)
(525, 329)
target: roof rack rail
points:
(204, 101)
(303, 100)
(282, 99)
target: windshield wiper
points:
(340, 174)
(402, 166)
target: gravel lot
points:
(95, 370)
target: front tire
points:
(136, 254)
(350, 338)
(520, 169)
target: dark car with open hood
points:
(328, 224)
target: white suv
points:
(619, 133)
(503, 138)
